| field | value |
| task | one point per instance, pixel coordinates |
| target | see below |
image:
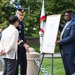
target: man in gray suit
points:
(67, 43)
(9, 45)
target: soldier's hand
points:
(26, 47)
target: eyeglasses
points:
(67, 15)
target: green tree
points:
(32, 16)
(5, 12)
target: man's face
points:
(68, 16)
(16, 23)
(21, 17)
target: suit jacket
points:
(67, 42)
(9, 42)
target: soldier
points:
(22, 47)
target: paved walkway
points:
(46, 55)
(54, 55)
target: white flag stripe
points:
(43, 10)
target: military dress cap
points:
(21, 11)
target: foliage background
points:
(32, 16)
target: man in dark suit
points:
(67, 43)
(23, 47)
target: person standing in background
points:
(22, 47)
(0, 33)
(9, 46)
(0, 37)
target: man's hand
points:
(57, 42)
(2, 52)
(26, 47)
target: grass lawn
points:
(37, 47)
(58, 66)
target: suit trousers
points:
(9, 66)
(22, 63)
(69, 63)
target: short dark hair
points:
(13, 19)
(69, 11)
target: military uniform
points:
(22, 60)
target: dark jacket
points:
(21, 36)
(67, 42)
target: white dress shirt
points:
(9, 42)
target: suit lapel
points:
(63, 31)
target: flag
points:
(42, 24)
(18, 6)
(42, 18)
